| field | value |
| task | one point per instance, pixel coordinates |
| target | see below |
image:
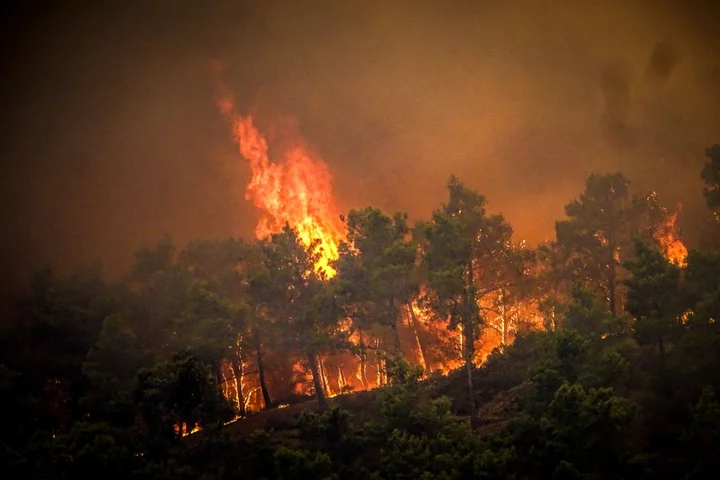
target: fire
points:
(447, 344)
(504, 318)
(294, 188)
(672, 247)
(184, 430)
(291, 185)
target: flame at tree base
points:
(292, 186)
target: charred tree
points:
(415, 325)
(261, 369)
(396, 339)
(238, 371)
(317, 381)
(363, 361)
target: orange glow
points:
(672, 247)
(304, 379)
(291, 185)
(293, 188)
(183, 430)
(439, 330)
(503, 320)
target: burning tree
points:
(654, 297)
(476, 281)
(509, 303)
(671, 246)
(376, 269)
(300, 299)
(462, 245)
(600, 230)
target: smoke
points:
(112, 137)
(615, 86)
(618, 87)
(663, 61)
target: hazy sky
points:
(111, 137)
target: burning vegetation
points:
(361, 343)
(673, 248)
(548, 351)
(391, 280)
(294, 189)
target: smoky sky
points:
(111, 137)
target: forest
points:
(436, 349)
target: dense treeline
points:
(601, 348)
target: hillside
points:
(364, 405)
(608, 365)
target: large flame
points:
(294, 189)
(672, 247)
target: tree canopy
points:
(592, 355)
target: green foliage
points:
(96, 450)
(509, 368)
(710, 176)
(702, 285)
(99, 379)
(331, 424)
(155, 260)
(653, 297)
(58, 322)
(453, 454)
(300, 298)
(459, 235)
(376, 269)
(463, 247)
(613, 368)
(701, 437)
(586, 316)
(298, 463)
(598, 235)
(578, 430)
(179, 393)
(400, 371)
(112, 365)
(410, 408)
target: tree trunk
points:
(341, 379)
(612, 281)
(396, 338)
(379, 361)
(468, 332)
(421, 351)
(394, 327)
(261, 369)
(317, 381)
(468, 354)
(323, 377)
(237, 368)
(611, 292)
(363, 362)
(219, 376)
(503, 340)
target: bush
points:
(330, 425)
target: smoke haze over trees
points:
(112, 139)
(367, 240)
(481, 367)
